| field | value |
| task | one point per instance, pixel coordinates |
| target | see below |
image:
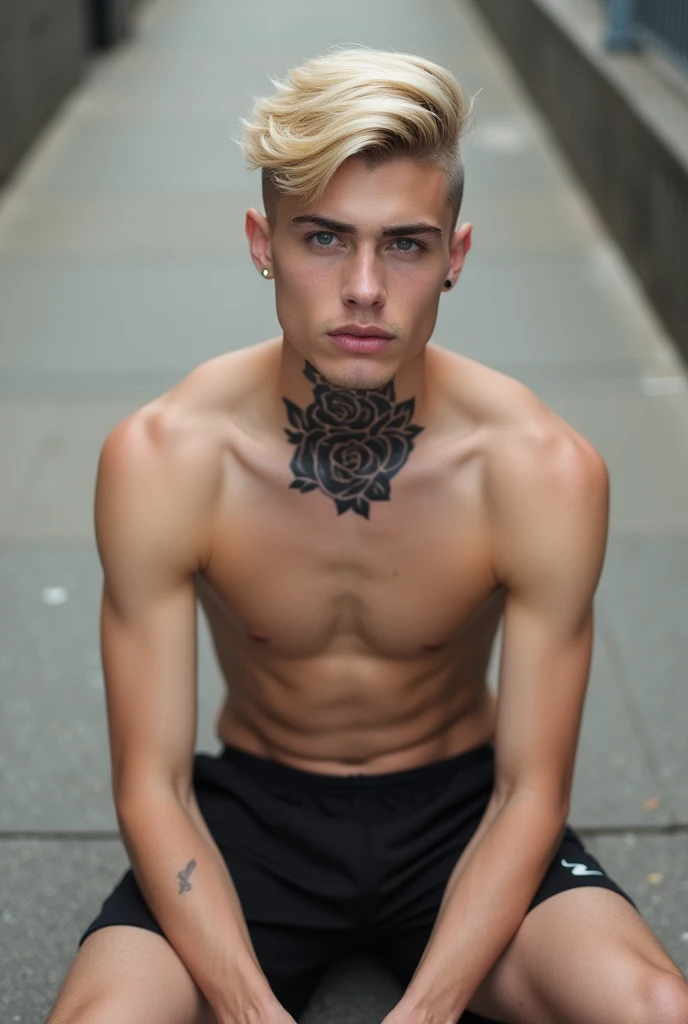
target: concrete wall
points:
(43, 48)
(109, 21)
(634, 170)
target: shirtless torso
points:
(356, 510)
(352, 644)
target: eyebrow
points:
(400, 230)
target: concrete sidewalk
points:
(123, 264)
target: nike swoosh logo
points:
(580, 869)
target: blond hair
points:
(356, 102)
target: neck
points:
(348, 442)
(300, 376)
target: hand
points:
(408, 1011)
(274, 1014)
(268, 1015)
(254, 1008)
(401, 1014)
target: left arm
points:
(549, 507)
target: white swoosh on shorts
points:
(580, 869)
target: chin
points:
(357, 375)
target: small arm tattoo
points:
(183, 876)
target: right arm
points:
(156, 493)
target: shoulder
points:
(160, 476)
(546, 494)
(164, 439)
(538, 449)
(532, 451)
(521, 438)
(182, 432)
(162, 470)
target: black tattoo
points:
(183, 876)
(350, 443)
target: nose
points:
(363, 283)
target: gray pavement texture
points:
(123, 264)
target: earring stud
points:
(447, 283)
(265, 272)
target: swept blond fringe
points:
(354, 101)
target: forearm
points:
(485, 900)
(201, 917)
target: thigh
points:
(583, 956)
(293, 958)
(285, 889)
(129, 975)
(595, 917)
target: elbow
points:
(547, 812)
(549, 815)
(142, 789)
(144, 805)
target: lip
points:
(360, 338)
(362, 331)
(358, 343)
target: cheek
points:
(301, 289)
(417, 292)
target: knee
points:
(101, 1009)
(67, 1012)
(109, 1009)
(663, 999)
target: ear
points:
(458, 250)
(257, 231)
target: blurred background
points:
(123, 264)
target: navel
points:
(253, 634)
(435, 647)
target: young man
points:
(356, 509)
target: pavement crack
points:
(79, 835)
(675, 829)
(58, 836)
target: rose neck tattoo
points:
(349, 442)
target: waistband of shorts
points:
(276, 772)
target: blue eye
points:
(328, 240)
(405, 244)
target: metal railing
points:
(662, 24)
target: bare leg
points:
(584, 956)
(127, 975)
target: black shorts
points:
(331, 866)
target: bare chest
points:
(295, 579)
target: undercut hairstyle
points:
(374, 104)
